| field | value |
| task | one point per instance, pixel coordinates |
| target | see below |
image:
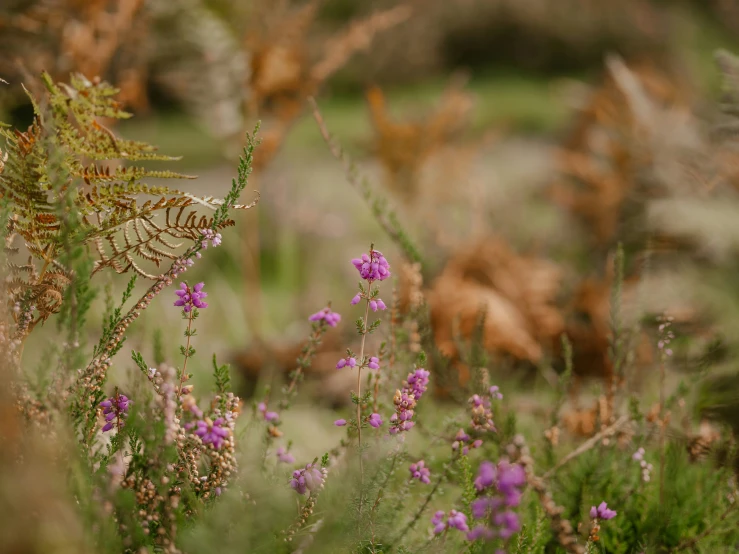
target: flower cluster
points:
(284, 456)
(191, 298)
(372, 266)
(349, 361)
(462, 439)
(268, 416)
(646, 468)
(115, 410)
(665, 335)
(212, 236)
(375, 420)
(602, 512)
(455, 520)
(417, 382)
(482, 414)
(401, 419)
(501, 486)
(420, 471)
(331, 318)
(405, 400)
(211, 432)
(309, 478)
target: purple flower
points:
(377, 305)
(331, 318)
(602, 512)
(461, 439)
(267, 415)
(372, 266)
(481, 532)
(495, 393)
(346, 362)
(500, 486)
(307, 479)
(418, 382)
(375, 420)
(401, 420)
(374, 363)
(420, 471)
(508, 524)
(482, 414)
(356, 299)
(212, 432)
(455, 520)
(191, 298)
(210, 234)
(284, 456)
(486, 475)
(115, 410)
(340, 422)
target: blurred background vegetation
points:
(459, 114)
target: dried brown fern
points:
(129, 223)
(404, 146)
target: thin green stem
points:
(359, 395)
(183, 373)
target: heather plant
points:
(153, 463)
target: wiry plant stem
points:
(183, 373)
(359, 396)
(661, 419)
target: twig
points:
(587, 445)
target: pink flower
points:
(346, 362)
(602, 512)
(340, 422)
(375, 420)
(331, 318)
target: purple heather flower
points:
(639, 454)
(377, 305)
(401, 419)
(374, 363)
(284, 456)
(501, 486)
(510, 477)
(481, 532)
(346, 362)
(455, 520)
(418, 382)
(115, 410)
(482, 415)
(307, 479)
(210, 234)
(602, 512)
(420, 471)
(508, 523)
(267, 415)
(461, 438)
(212, 432)
(191, 298)
(372, 266)
(486, 475)
(495, 393)
(375, 420)
(340, 422)
(356, 299)
(331, 318)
